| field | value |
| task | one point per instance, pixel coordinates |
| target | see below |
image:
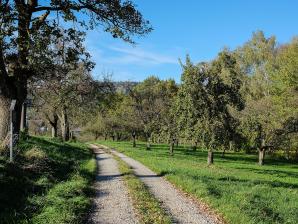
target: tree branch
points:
(40, 20)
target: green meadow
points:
(235, 186)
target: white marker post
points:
(12, 106)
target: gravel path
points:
(181, 208)
(112, 204)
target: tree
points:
(285, 95)
(256, 58)
(129, 122)
(149, 100)
(191, 99)
(168, 125)
(270, 91)
(22, 21)
(206, 94)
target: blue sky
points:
(195, 27)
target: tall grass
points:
(48, 183)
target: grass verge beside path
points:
(235, 186)
(147, 206)
(49, 182)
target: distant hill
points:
(124, 86)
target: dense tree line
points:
(24, 39)
(243, 99)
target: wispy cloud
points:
(135, 55)
(128, 62)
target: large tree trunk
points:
(4, 116)
(13, 79)
(64, 125)
(19, 94)
(210, 157)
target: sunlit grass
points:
(235, 186)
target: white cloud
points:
(135, 55)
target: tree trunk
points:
(223, 152)
(210, 157)
(64, 125)
(96, 135)
(13, 80)
(262, 153)
(54, 132)
(4, 116)
(194, 147)
(261, 156)
(54, 124)
(134, 144)
(118, 136)
(287, 153)
(5, 103)
(172, 145)
(177, 142)
(148, 146)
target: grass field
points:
(235, 186)
(49, 182)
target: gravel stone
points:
(112, 204)
(180, 207)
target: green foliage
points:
(206, 93)
(150, 101)
(236, 187)
(271, 94)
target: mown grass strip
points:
(147, 206)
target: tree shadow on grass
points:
(279, 173)
(20, 180)
(235, 180)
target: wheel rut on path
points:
(181, 208)
(112, 204)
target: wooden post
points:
(12, 106)
(23, 117)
